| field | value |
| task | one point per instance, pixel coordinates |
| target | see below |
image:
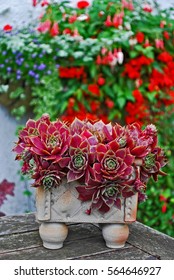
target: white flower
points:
(82, 17)
(132, 42)
(114, 61)
(120, 57)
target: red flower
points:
(6, 188)
(44, 3)
(67, 31)
(147, 8)
(166, 35)
(118, 19)
(82, 4)
(140, 37)
(54, 31)
(101, 81)
(71, 72)
(108, 21)
(34, 3)
(95, 105)
(109, 103)
(93, 88)
(165, 57)
(163, 198)
(7, 28)
(162, 23)
(164, 208)
(72, 19)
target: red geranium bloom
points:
(101, 81)
(140, 37)
(166, 35)
(164, 208)
(165, 57)
(82, 4)
(93, 88)
(7, 28)
(109, 103)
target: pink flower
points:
(35, 3)
(118, 20)
(44, 3)
(108, 21)
(159, 43)
(54, 31)
(147, 8)
(44, 26)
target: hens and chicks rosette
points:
(108, 161)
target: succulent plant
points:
(108, 162)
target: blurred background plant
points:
(6, 188)
(106, 60)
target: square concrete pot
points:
(61, 205)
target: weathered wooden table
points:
(19, 239)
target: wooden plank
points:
(72, 249)
(32, 239)
(126, 253)
(157, 244)
(16, 224)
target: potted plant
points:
(88, 172)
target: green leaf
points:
(27, 193)
(121, 102)
(19, 112)
(17, 93)
(93, 71)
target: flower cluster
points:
(98, 52)
(109, 162)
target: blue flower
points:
(31, 73)
(8, 69)
(41, 67)
(33, 55)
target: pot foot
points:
(115, 235)
(53, 234)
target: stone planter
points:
(61, 205)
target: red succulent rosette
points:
(152, 164)
(104, 194)
(113, 163)
(44, 138)
(80, 158)
(47, 174)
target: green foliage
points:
(158, 210)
